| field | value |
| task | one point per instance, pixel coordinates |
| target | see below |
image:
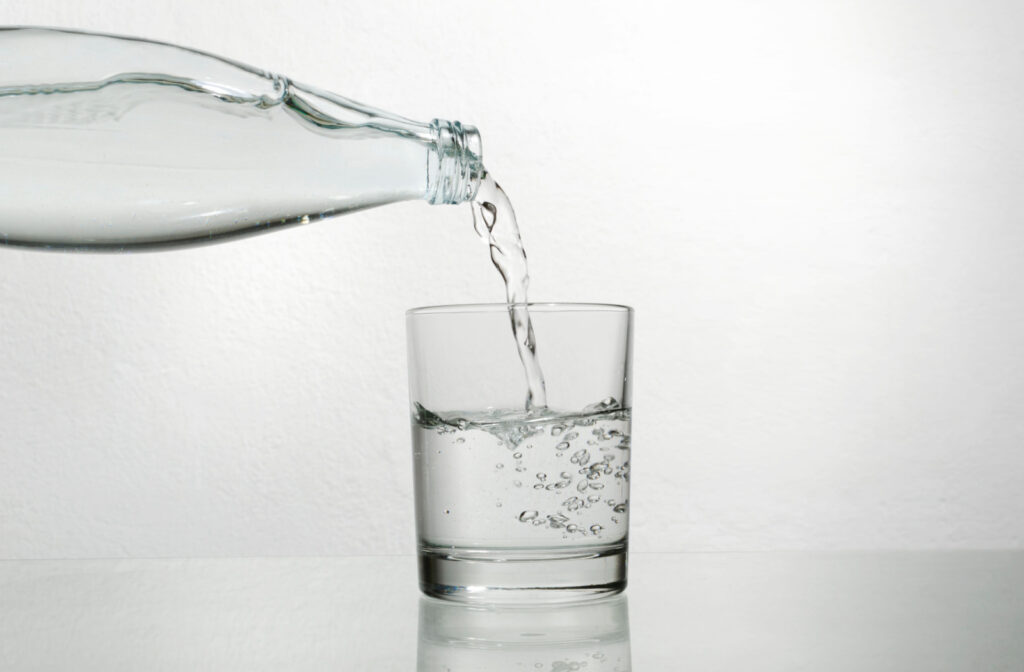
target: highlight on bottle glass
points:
(515, 502)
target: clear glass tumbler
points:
(512, 505)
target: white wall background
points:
(815, 207)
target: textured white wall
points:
(816, 209)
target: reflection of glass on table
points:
(585, 637)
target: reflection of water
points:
(585, 637)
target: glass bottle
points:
(118, 143)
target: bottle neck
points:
(454, 163)
(454, 166)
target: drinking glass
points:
(520, 505)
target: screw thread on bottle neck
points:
(455, 166)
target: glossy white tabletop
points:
(759, 611)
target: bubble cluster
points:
(592, 472)
(567, 665)
(579, 462)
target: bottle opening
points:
(456, 163)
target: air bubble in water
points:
(461, 439)
(541, 476)
(596, 529)
(527, 516)
(517, 456)
(562, 445)
(597, 486)
(572, 435)
(581, 486)
(606, 404)
(518, 484)
(557, 429)
(619, 508)
(593, 499)
(499, 465)
(557, 520)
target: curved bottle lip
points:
(545, 307)
(455, 164)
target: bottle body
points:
(110, 143)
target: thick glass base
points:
(522, 576)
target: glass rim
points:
(539, 307)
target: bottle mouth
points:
(456, 166)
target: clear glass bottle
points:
(118, 143)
